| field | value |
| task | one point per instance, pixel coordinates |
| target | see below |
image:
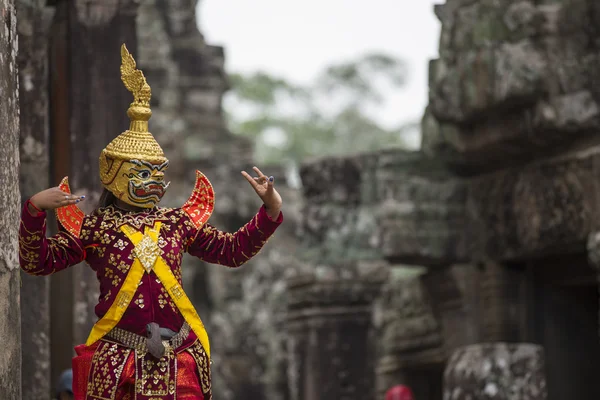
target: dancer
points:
(148, 342)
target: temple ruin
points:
(466, 270)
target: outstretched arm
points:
(234, 249)
(39, 255)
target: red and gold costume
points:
(137, 258)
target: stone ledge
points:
(352, 285)
(544, 208)
(505, 138)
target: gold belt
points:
(140, 343)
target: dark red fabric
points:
(187, 378)
(39, 255)
(108, 252)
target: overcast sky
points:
(297, 39)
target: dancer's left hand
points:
(263, 186)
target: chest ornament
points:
(147, 251)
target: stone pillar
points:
(411, 351)
(497, 371)
(98, 113)
(329, 323)
(10, 309)
(33, 27)
(61, 284)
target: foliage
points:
(290, 123)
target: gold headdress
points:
(135, 144)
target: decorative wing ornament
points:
(201, 203)
(71, 216)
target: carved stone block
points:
(328, 323)
(512, 78)
(410, 344)
(496, 371)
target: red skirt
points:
(188, 383)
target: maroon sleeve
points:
(234, 249)
(39, 255)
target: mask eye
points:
(144, 174)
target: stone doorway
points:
(565, 323)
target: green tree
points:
(290, 123)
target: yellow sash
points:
(148, 259)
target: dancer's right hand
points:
(51, 199)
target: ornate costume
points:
(149, 342)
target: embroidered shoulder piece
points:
(71, 216)
(201, 203)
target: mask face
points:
(140, 183)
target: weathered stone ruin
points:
(493, 215)
(467, 270)
(10, 387)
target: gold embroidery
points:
(124, 267)
(107, 365)
(85, 234)
(114, 259)
(147, 252)
(120, 244)
(176, 292)
(113, 218)
(157, 378)
(109, 274)
(101, 251)
(58, 245)
(107, 239)
(162, 242)
(161, 301)
(140, 301)
(123, 300)
(203, 365)
(163, 294)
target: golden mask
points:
(133, 165)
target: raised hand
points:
(51, 199)
(265, 190)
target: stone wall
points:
(33, 23)
(513, 81)
(404, 206)
(10, 321)
(330, 331)
(496, 371)
(507, 180)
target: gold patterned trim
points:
(138, 342)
